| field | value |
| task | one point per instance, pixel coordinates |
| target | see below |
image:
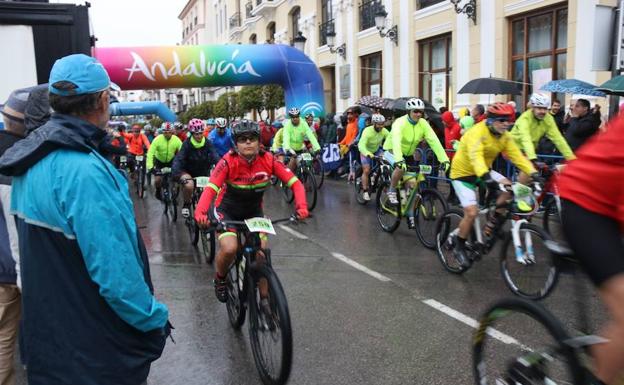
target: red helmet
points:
(500, 109)
(196, 126)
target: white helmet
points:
(414, 104)
(220, 122)
(539, 100)
(378, 118)
(294, 112)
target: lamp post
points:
(331, 40)
(469, 8)
(380, 23)
(299, 41)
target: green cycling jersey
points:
(278, 140)
(293, 136)
(406, 135)
(163, 150)
(371, 140)
(528, 131)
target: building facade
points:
(435, 50)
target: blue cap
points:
(211, 122)
(84, 71)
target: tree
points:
(202, 111)
(156, 122)
(251, 98)
(273, 96)
(228, 106)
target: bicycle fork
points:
(524, 256)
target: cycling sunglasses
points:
(246, 138)
(502, 120)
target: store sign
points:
(345, 81)
(438, 90)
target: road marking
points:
(293, 232)
(473, 323)
(362, 268)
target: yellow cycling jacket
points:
(528, 131)
(478, 148)
(405, 137)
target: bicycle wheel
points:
(175, 191)
(270, 334)
(537, 273)
(551, 220)
(357, 185)
(289, 196)
(192, 227)
(208, 241)
(309, 183)
(141, 183)
(387, 215)
(235, 303)
(431, 207)
(319, 172)
(166, 199)
(554, 362)
(446, 232)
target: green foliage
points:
(201, 111)
(156, 122)
(273, 96)
(251, 98)
(228, 106)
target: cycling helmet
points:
(500, 109)
(294, 112)
(220, 122)
(167, 127)
(245, 127)
(378, 118)
(148, 127)
(211, 122)
(196, 126)
(178, 125)
(539, 100)
(309, 115)
(415, 104)
(277, 124)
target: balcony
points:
(235, 20)
(248, 10)
(324, 28)
(258, 2)
(266, 8)
(420, 4)
(368, 8)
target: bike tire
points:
(319, 172)
(235, 303)
(447, 223)
(309, 184)
(537, 312)
(259, 328)
(209, 245)
(383, 210)
(289, 196)
(551, 217)
(141, 183)
(357, 186)
(192, 227)
(432, 206)
(519, 284)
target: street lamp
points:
(341, 49)
(380, 23)
(470, 9)
(299, 41)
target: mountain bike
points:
(428, 205)
(560, 359)
(319, 170)
(208, 235)
(549, 199)
(380, 172)
(170, 192)
(305, 174)
(269, 328)
(528, 269)
(139, 174)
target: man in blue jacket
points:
(89, 313)
(221, 137)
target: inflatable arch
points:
(218, 65)
(143, 108)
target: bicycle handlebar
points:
(220, 225)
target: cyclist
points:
(278, 141)
(592, 200)
(221, 137)
(295, 131)
(179, 131)
(161, 153)
(471, 165)
(369, 146)
(149, 132)
(196, 158)
(137, 144)
(533, 124)
(239, 181)
(210, 124)
(406, 134)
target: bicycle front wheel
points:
(192, 227)
(141, 183)
(235, 303)
(208, 242)
(426, 213)
(319, 172)
(546, 359)
(529, 269)
(359, 191)
(269, 328)
(309, 183)
(387, 214)
(446, 236)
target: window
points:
(327, 21)
(426, 3)
(371, 74)
(538, 50)
(434, 71)
(271, 33)
(368, 8)
(295, 15)
(253, 39)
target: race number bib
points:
(139, 158)
(306, 157)
(260, 225)
(202, 181)
(425, 169)
(123, 159)
(166, 170)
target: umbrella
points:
(614, 86)
(572, 86)
(373, 102)
(491, 86)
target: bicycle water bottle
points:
(403, 194)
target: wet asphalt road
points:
(348, 327)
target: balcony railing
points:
(368, 8)
(258, 2)
(248, 9)
(235, 20)
(324, 28)
(420, 4)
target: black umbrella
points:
(373, 102)
(491, 85)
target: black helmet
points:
(245, 127)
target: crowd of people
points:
(72, 260)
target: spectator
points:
(90, 316)
(267, 132)
(351, 131)
(513, 104)
(583, 125)
(10, 297)
(558, 114)
(464, 111)
(443, 109)
(478, 113)
(570, 114)
(341, 122)
(451, 132)
(328, 130)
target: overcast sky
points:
(118, 23)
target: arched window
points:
(270, 33)
(294, 15)
(253, 39)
